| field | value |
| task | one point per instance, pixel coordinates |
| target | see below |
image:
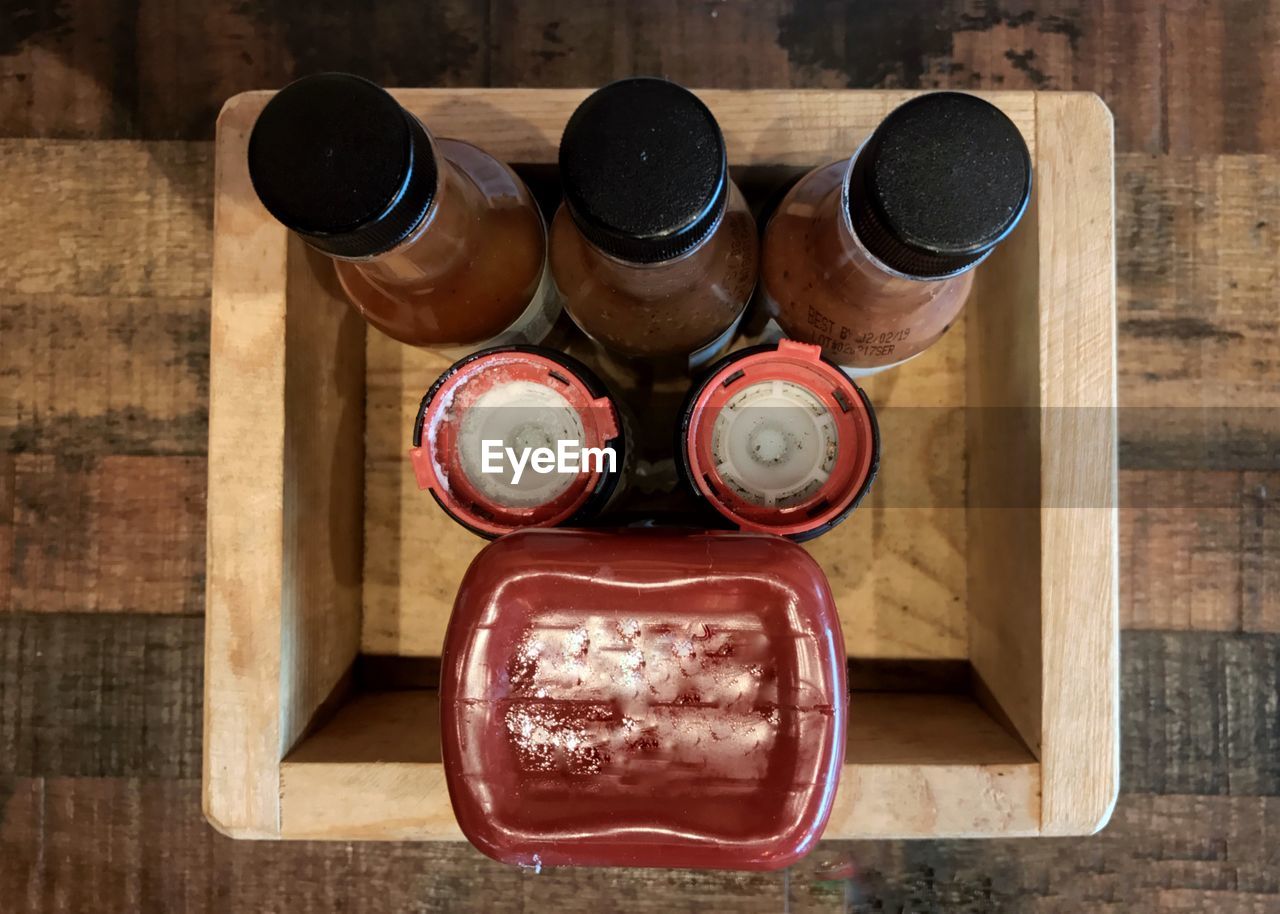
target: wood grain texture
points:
(139, 214)
(245, 590)
(99, 696)
(1079, 637)
(86, 374)
(1195, 98)
(82, 69)
(323, 490)
(67, 845)
(1199, 342)
(1003, 489)
(285, 529)
(103, 297)
(1200, 714)
(6, 529)
(86, 69)
(114, 534)
(1200, 550)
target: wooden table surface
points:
(106, 113)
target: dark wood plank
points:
(93, 374)
(1260, 553)
(1210, 854)
(1198, 550)
(6, 528)
(100, 696)
(1199, 714)
(129, 219)
(125, 844)
(705, 43)
(104, 299)
(68, 845)
(1199, 342)
(1182, 77)
(112, 534)
(81, 68)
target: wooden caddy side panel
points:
(286, 455)
(245, 564)
(1080, 682)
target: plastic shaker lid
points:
(780, 440)
(490, 430)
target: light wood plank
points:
(244, 657)
(285, 527)
(1080, 740)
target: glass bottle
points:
(872, 258)
(654, 249)
(435, 242)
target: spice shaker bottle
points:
(435, 242)
(654, 249)
(872, 258)
(779, 440)
(518, 437)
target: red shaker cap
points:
(643, 698)
(779, 440)
(523, 397)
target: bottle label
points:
(529, 329)
(842, 344)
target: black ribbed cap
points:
(337, 160)
(941, 181)
(643, 166)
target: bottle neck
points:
(850, 202)
(838, 244)
(441, 240)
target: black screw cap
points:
(339, 161)
(942, 180)
(643, 165)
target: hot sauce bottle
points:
(654, 248)
(436, 242)
(872, 258)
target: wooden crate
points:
(977, 589)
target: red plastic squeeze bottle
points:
(643, 698)
(872, 257)
(779, 440)
(519, 436)
(436, 242)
